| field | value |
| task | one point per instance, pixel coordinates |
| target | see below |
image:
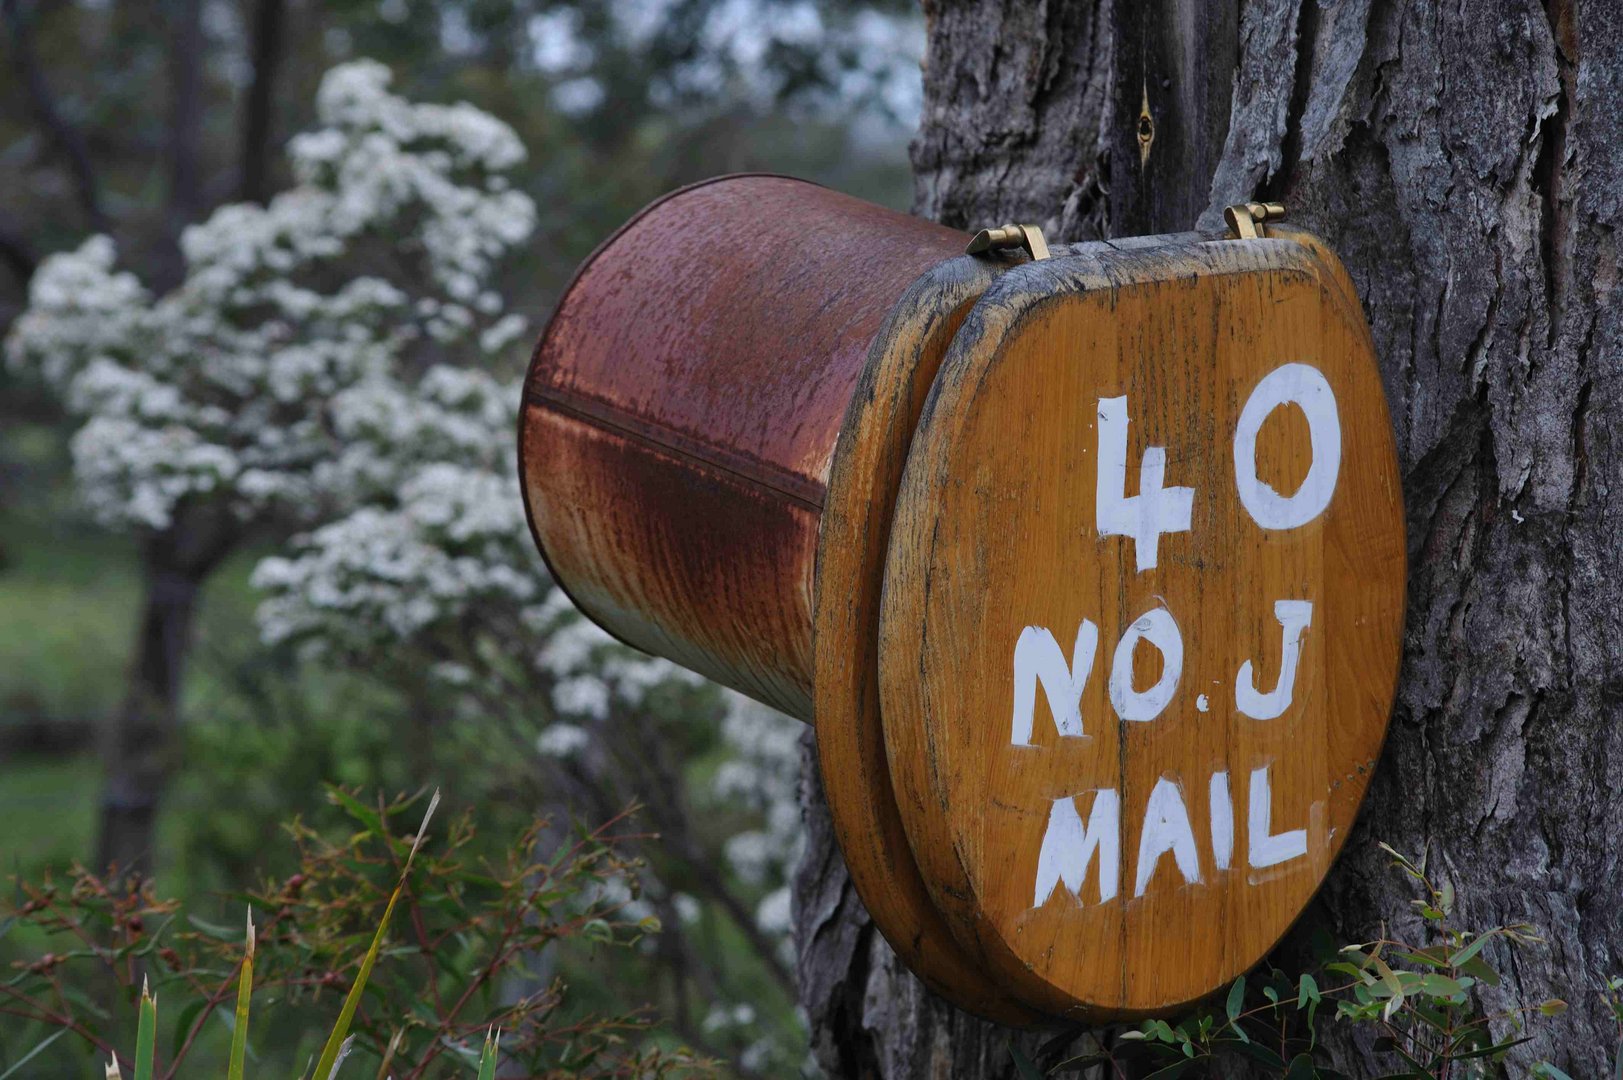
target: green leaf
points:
(1236, 999)
(1301, 1068)
(1549, 1072)
(146, 1035)
(487, 1058)
(1422, 957)
(369, 818)
(1062, 1039)
(183, 1022)
(1490, 1051)
(1080, 1063)
(1023, 1065)
(1308, 990)
(245, 991)
(1392, 984)
(337, 1041)
(1262, 1054)
(83, 1000)
(39, 1048)
(1480, 970)
(1470, 950)
(1441, 986)
(1553, 1007)
(214, 930)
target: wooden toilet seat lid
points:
(1141, 617)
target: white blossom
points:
(562, 740)
(247, 383)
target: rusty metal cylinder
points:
(682, 409)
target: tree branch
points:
(16, 251)
(185, 133)
(58, 131)
(266, 49)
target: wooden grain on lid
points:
(1141, 616)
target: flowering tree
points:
(333, 362)
(231, 400)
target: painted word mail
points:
(1072, 842)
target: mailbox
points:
(1088, 568)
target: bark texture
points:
(1464, 160)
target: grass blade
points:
(330, 1054)
(487, 1057)
(40, 1046)
(343, 1052)
(245, 992)
(388, 1055)
(146, 1034)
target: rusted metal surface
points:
(681, 413)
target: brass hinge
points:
(1245, 220)
(1028, 237)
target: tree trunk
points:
(138, 745)
(1463, 159)
(259, 102)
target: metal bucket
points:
(682, 409)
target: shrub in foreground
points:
(437, 960)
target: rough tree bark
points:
(1464, 159)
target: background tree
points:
(137, 121)
(1463, 159)
(239, 395)
(327, 362)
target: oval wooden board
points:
(1139, 854)
(852, 542)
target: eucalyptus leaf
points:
(1236, 999)
(1024, 1065)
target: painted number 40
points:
(1158, 509)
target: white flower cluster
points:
(295, 322)
(764, 775)
(381, 577)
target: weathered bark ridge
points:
(1464, 160)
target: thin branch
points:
(16, 252)
(58, 131)
(258, 107)
(185, 132)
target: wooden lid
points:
(1141, 616)
(852, 542)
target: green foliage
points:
(472, 956)
(245, 993)
(1422, 1000)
